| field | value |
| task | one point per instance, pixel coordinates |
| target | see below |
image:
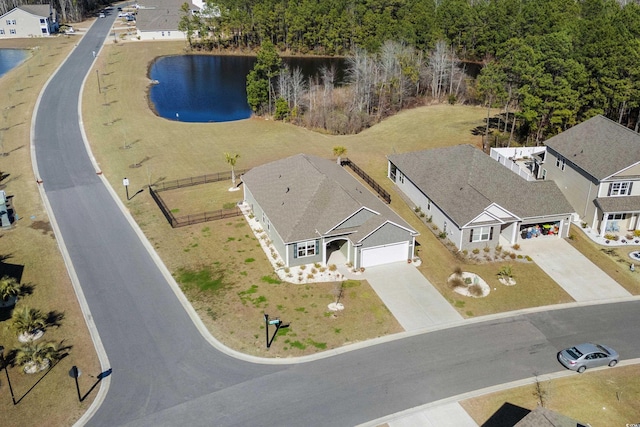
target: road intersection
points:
(168, 370)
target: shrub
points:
(516, 247)
(274, 255)
(279, 264)
(430, 218)
(584, 225)
(317, 265)
(457, 271)
(422, 215)
(302, 267)
(467, 280)
(442, 235)
(572, 236)
(475, 290)
(310, 276)
(456, 282)
(361, 269)
(332, 267)
(636, 233)
(322, 269)
(519, 256)
(512, 255)
(314, 271)
(287, 269)
(465, 252)
(476, 251)
(498, 249)
(486, 249)
(505, 271)
(417, 209)
(251, 216)
(611, 237)
(528, 258)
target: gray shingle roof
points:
(36, 9)
(304, 193)
(599, 146)
(463, 181)
(159, 19)
(618, 204)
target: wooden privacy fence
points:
(185, 220)
(197, 180)
(362, 174)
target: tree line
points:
(547, 63)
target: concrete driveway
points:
(410, 297)
(582, 279)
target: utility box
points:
(4, 211)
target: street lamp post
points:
(4, 365)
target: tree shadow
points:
(140, 163)
(481, 130)
(54, 318)
(157, 181)
(53, 365)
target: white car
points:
(102, 15)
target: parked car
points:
(102, 15)
(588, 355)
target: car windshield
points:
(604, 350)
(574, 352)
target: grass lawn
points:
(48, 398)
(612, 260)
(600, 398)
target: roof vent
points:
(287, 190)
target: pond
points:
(11, 58)
(210, 88)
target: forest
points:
(547, 64)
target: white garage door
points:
(384, 254)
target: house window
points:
(12, 31)
(163, 34)
(428, 204)
(392, 172)
(42, 21)
(481, 234)
(620, 188)
(13, 22)
(617, 216)
(560, 162)
(544, 174)
(8, 21)
(168, 33)
(1, 32)
(44, 30)
(400, 177)
(305, 249)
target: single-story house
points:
(159, 19)
(475, 201)
(311, 207)
(596, 165)
(29, 20)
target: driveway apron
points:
(578, 276)
(410, 297)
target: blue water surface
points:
(11, 58)
(209, 88)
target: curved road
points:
(166, 373)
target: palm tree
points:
(231, 159)
(9, 289)
(339, 150)
(28, 323)
(36, 357)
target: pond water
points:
(11, 58)
(209, 88)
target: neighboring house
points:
(510, 415)
(475, 201)
(596, 164)
(311, 207)
(35, 20)
(159, 19)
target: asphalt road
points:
(166, 374)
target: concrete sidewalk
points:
(410, 297)
(447, 415)
(578, 276)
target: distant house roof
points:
(160, 15)
(598, 146)
(305, 195)
(463, 182)
(43, 10)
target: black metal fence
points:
(197, 180)
(362, 174)
(185, 220)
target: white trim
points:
(351, 216)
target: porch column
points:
(514, 233)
